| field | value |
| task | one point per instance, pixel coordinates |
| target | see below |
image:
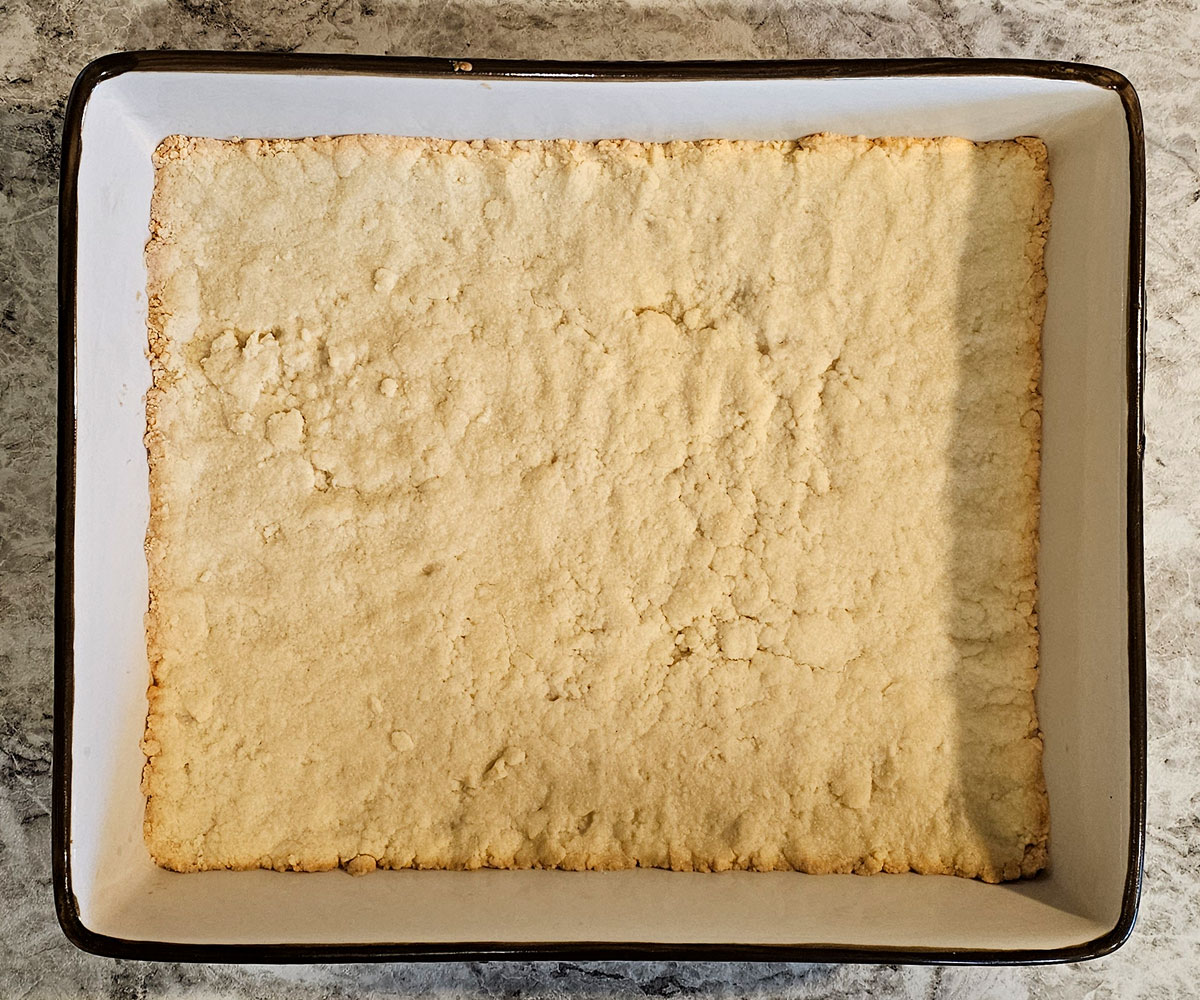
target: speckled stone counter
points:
(1156, 43)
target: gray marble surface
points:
(44, 43)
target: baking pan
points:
(110, 897)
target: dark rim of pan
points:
(116, 64)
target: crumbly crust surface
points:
(595, 505)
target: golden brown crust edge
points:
(158, 355)
(1037, 853)
(1033, 862)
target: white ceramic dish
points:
(113, 900)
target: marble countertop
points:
(43, 45)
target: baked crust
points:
(595, 505)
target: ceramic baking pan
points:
(111, 898)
